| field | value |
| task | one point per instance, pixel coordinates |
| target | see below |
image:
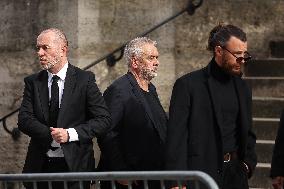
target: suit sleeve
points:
(277, 164)
(97, 116)
(27, 121)
(177, 133)
(110, 143)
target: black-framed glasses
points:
(246, 57)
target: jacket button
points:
(219, 171)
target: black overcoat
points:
(194, 139)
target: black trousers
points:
(234, 175)
(56, 165)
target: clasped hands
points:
(60, 135)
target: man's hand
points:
(60, 135)
(277, 182)
(183, 187)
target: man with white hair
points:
(136, 141)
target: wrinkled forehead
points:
(149, 49)
(47, 38)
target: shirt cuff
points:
(73, 135)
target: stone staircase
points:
(266, 78)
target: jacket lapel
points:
(243, 112)
(139, 95)
(213, 91)
(162, 129)
(42, 86)
(69, 84)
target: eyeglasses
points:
(246, 57)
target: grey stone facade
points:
(96, 27)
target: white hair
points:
(134, 48)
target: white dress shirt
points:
(73, 135)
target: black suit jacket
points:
(194, 139)
(135, 142)
(82, 108)
(277, 164)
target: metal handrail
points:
(190, 9)
(110, 57)
(15, 133)
(112, 176)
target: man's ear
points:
(64, 50)
(134, 62)
(218, 51)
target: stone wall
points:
(21, 21)
(262, 20)
(107, 24)
(95, 28)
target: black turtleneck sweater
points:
(229, 107)
(156, 108)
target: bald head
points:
(58, 36)
(52, 49)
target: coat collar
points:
(42, 87)
(140, 96)
(69, 85)
(213, 91)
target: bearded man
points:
(62, 111)
(210, 119)
(136, 141)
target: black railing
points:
(196, 177)
(15, 133)
(111, 59)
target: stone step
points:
(266, 86)
(264, 150)
(265, 128)
(270, 107)
(266, 67)
(276, 49)
(260, 178)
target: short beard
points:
(50, 64)
(228, 68)
(148, 74)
